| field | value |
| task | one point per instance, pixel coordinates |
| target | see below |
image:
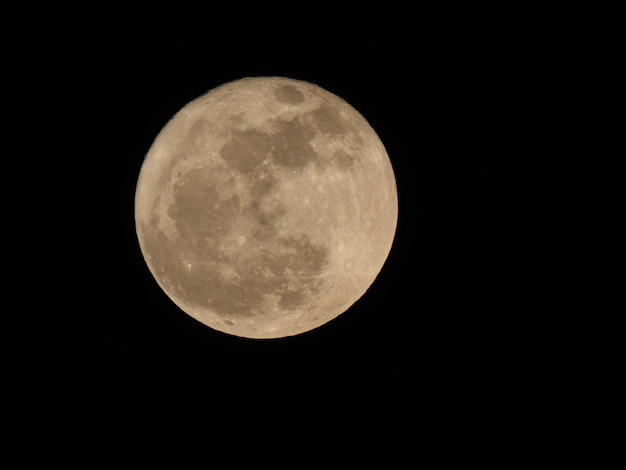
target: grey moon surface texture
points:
(266, 207)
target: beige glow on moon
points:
(266, 207)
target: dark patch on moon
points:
(197, 210)
(245, 150)
(289, 94)
(328, 120)
(291, 299)
(291, 146)
(309, 260)
(343, 160)
(232, 283)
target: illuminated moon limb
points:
(266, 207)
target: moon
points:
(266, 207)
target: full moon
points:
(266, 207)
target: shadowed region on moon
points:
(263, 216)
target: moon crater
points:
(266, 207)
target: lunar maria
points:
(266, 207)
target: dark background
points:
(433, 352)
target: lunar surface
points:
(266, 207)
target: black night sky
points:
(431, 353)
